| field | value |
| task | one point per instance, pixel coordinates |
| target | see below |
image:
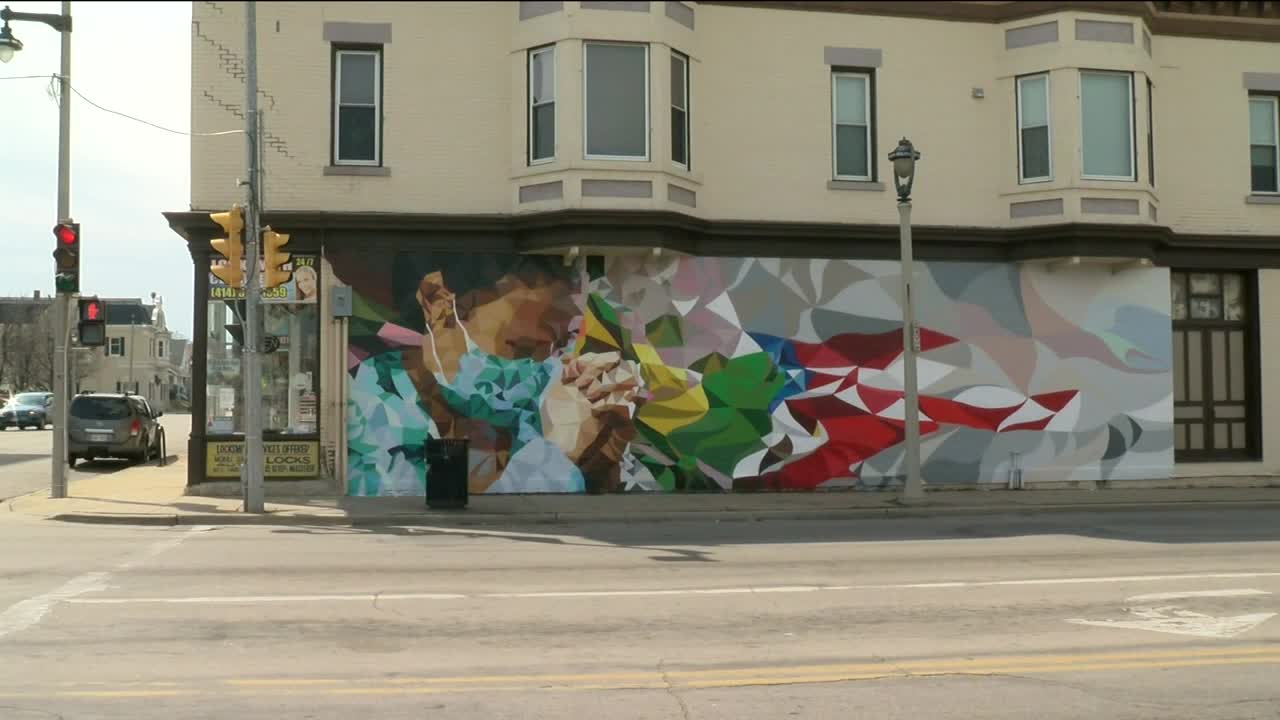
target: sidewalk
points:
(151, 495)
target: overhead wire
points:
(53, 93)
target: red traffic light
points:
(66, 234)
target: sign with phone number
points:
(283, 459)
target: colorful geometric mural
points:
(720, 374)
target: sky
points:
(133, 58)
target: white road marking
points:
(1177, 621)
(30, 612)
(1239, 592)
(367, 597)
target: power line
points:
(53, 82)
(147, 122)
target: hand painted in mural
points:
(588, 414)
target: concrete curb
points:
(467, 518)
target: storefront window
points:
(290, 367)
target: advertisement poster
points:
(288, 459)
(301, 287)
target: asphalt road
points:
(1116, 615)
(25, 465)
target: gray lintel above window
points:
(534, 8)
(681, 13)
(354, 33)
(620, 5)
(867, 185)
(1029, 35)
(1262, 199)
(1104, 31)
(853, 57)
(358, 170)
(1262, 82)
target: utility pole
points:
(254, 464)
(62, 303)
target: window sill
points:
(358, 170)
(1262, 199)
(866, 185)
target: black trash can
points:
(447, 473)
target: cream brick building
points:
(701, 188)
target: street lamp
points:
(8, 43)
(904, 174)
(62, 321)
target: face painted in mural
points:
(720, 374)
(495, 354)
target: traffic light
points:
(93, 322)
(274, 258)
(230, 246)
(66, 257)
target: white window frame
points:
(1048, 116)
(111, 347)
(339, 53)
(648, 129)
(683, 59)
(555, 95)
(835, 141)
(1133, 149)
(1275, 118)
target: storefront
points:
(290, 390)
(615, 367)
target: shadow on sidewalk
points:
(679, 541)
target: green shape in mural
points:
(740, 393)
(665, 332)
(600, 316)
(709, 364)
(749, 382)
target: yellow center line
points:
(697, 678)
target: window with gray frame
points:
(1214, 365)
(1106, 112)
(542, 105)
(115, 346)
(357, 106)
(680, 109)
(1264, 148)
(851, 125)
(1034, 155)
(616, 106)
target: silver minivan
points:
(112, 425)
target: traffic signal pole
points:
(62, 300)
(254, 463)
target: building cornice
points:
(641, 231)
(1236, 20)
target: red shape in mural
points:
(855, 434)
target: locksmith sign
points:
(286, 459)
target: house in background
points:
(138, 355)
(26, 344)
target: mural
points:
(720, 374)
